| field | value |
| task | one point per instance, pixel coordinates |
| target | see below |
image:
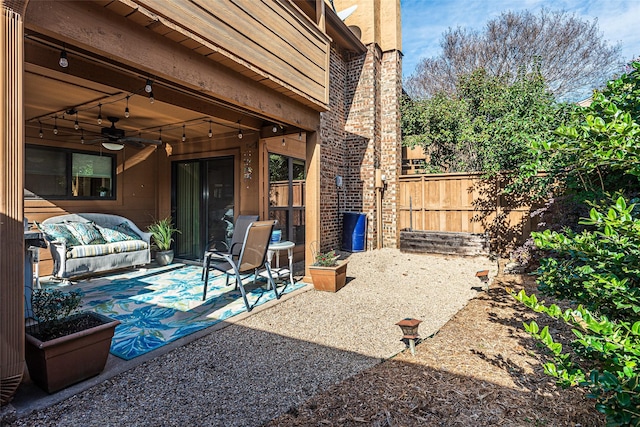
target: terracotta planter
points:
(64, 361)
(329, 279)
(164, 257)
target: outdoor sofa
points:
(87, 243)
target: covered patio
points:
(151, 109)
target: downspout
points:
(379, 184)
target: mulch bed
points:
(480, 369)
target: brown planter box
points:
(329, 279)
(64, 361)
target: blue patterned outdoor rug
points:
(156, 308)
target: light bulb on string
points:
(55, 125)
(239, 131)
(126, 109)
(147, 87)
(40, 134)
(99, 114)
(184, 135)
(76, 125)
(210, 131)
(160, 135)
(63, 61)
(152, 99)
(275, 128)
(81, 136)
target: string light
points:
(300, 136)
(147, 87)
(40, 134)
(160, 135)
(239, 131)
(76, 125)
(126, 110)
(184, 135)
(82, 136)
(99, 114)
(275, 128)
(210, 131)
(151, 98)
(55, 125)
(63, 61)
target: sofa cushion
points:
(84, 251)
(129, 246)
(110, 235)
(126, 229)
(58, 233)
(85, 232)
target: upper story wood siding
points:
(270, 41)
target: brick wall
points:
(361, 132)
(391, 146)
(332, 150)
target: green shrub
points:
(598, 271)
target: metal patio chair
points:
(239, 231)
(252, 259)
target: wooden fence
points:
(462, 202)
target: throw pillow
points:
(85, 232)
(126, 229)
(58, 233)
(112, 236)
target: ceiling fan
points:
(113, 138)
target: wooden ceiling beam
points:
(94, 71)
(103, 32)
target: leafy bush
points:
(606, 359)
(597, 270)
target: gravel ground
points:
(274, 360)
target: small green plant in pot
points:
(326, 259)
(327, 274)
(162, 237)
(51, 308)
(63, 346)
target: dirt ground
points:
(480, 369)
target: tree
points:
(488, 125)
(597, 152)
(570, 54)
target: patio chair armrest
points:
(237, 247)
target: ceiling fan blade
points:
(130, 143)
(96, 141)
(141, 140)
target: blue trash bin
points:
(354, 229)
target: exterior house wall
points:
(391, 147)
(332, 149)
(361, 133)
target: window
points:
(286, 196)
(67, 174)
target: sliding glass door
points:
(203, 204)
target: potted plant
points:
(62, 346)
(104, 191)
(326, 272)
(162, 236)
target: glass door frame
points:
(174, 160)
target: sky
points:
(424, 22)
